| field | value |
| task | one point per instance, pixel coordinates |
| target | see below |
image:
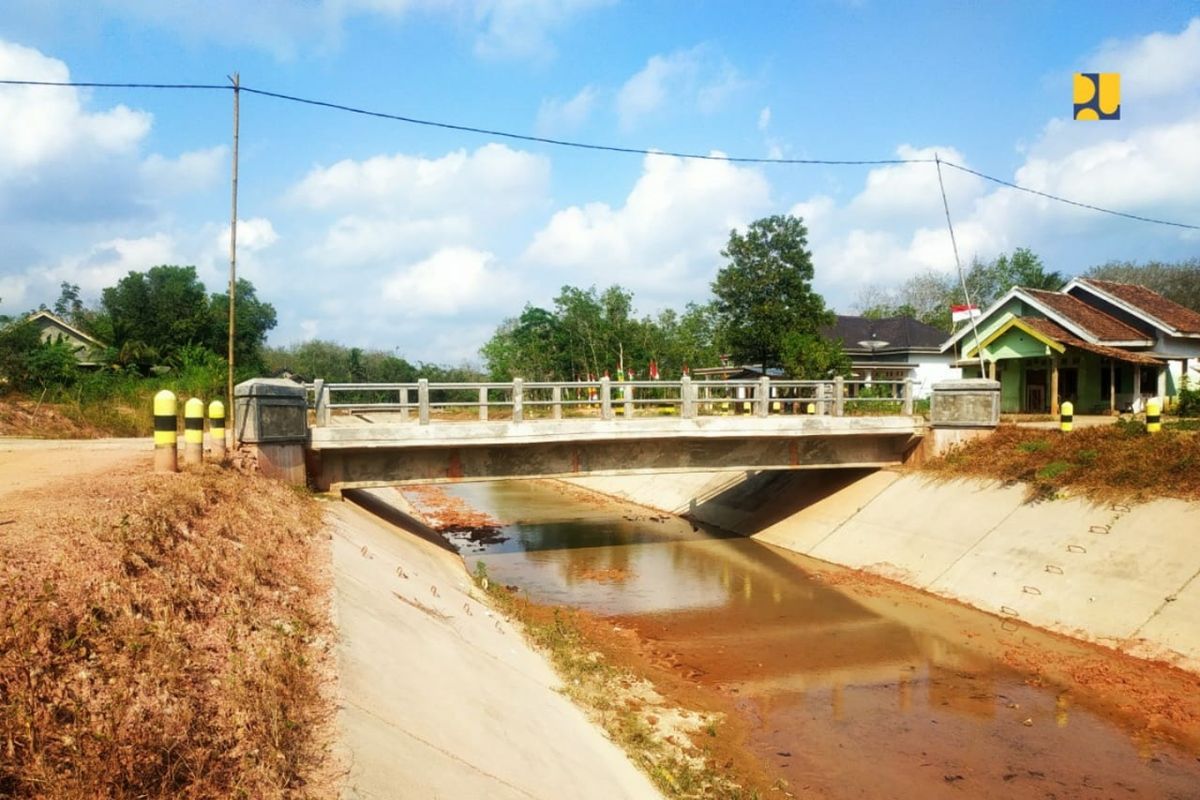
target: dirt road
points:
(28, 463)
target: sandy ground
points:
(28, 463)
(441, 698)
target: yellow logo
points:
(1097, 95)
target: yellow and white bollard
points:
(193, 431)
(1153, 416)
(810, 409)
(166, 457)
(1067, 410)
(216, 429)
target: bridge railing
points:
(520, 400)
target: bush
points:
(1189, 400)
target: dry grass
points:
(1120, 462)
(163, 636)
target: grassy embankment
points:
(163, 636)
(1119, 462)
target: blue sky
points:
(387, 235)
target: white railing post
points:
(404, 403)
(423, 401)
(321, 394)
(627, 396)
(763, 406)
(556, 401)
(839, 396)
(483, 403)
(518, 400)
(606, 411)
(687, 400)
(908, 397)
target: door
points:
(1035, 391)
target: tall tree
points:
(152, 314)
(254, 318)
(764, 294)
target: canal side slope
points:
(441, 697)
(1127, 577)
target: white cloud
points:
(522, 28)
(39, 124)
(1157, 65)
(698, 76)
(556, 115)
(197, 169)
(664, 240)
(452, 280)
(764, 118)
(459, 182)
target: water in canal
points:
(845, 696)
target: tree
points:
(254, 318)
(1178, 281)
(764, 294)
(155, 313)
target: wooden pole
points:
(233, 252)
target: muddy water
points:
(847, 696)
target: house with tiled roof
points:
(894, 349)
(87, 349)
(1103, 346)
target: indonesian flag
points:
(959, 313)
(653, 369)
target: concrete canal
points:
(840, 686)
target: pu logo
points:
(1097, 95)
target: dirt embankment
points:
(164, 636)
(1119, 462)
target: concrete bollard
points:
(216, 429)
(1067, 419)
(166, 458)
(1153, 416)
(193, 431)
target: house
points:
(88, 350)
(893, 349)
(1104, 346)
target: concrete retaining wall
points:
(1125, 577)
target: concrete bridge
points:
(365, 435)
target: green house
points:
(1049, 347)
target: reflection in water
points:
(847, 697)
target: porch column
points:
(1054, 386)
(1162, 385)
(1112, 386)
(992, 370)
(1137, 385)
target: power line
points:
(94, 85)
(1056, 198)
(606, 148)
(580, 145)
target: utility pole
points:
(236, 79)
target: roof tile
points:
(1092, 320)
(1181, 318)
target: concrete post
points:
(423, 401)
(322, 392)
(216, 429)
(839, 396)
(908, 397)
(483, 403)
(318, 389)
(166, 439)
(763, 406)
(404, 402)
(193, 432)
(687, 399)
(1137, 386)
(606, 411)
(556, 401)
(627, 396)
(518, 400)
